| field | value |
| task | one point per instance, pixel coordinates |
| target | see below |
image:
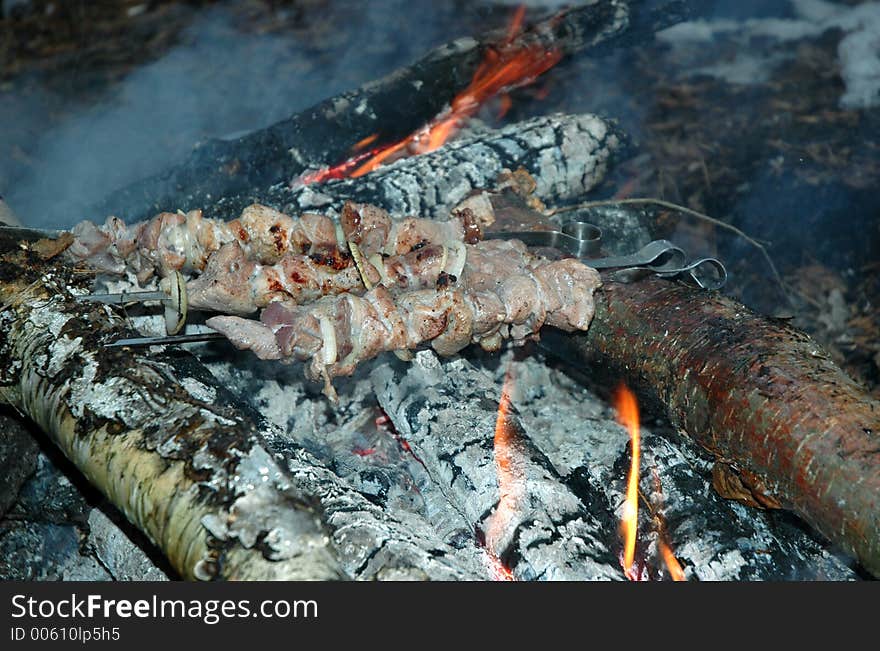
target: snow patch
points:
(858, 51)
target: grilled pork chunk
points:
(234, 283)
(375, 232)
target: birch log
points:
(154, 436)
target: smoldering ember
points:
(555, 293)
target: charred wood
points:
(713, 538)
(539, 529)
(364, 478)
(556, 515)
(567, 156)
(18, 459)
(59, 528)
(372, 544)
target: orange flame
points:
(345, 168)
(672, 564)
(498, 571)
(369, 140)
(509, 475)
(503, 68)
(628, 415)
(515, 24)
(669, 559)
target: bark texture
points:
(150, 435)
(760, 395)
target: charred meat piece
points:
(167, 242)
(185, 242)
(375, 232)
(174, 242)
(266, 234)
(95, 244)
(233, 283)
(366, 225)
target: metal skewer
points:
(583, 240)
(26, 232)
(124, 298)
(192, 338)
(172, 293)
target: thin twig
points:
(672, 206)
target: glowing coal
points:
(504, 68)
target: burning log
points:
(554, 418)
(393, 108)
(566, 155)
(370, 542)
(713, 538)
(167, 445)
(758, 394)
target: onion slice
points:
(176, 304)
(329, 349)
(359, 263)
(341, 240)
(459, 258)
(377, 262)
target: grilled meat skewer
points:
(336, 333)
(185, 241)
